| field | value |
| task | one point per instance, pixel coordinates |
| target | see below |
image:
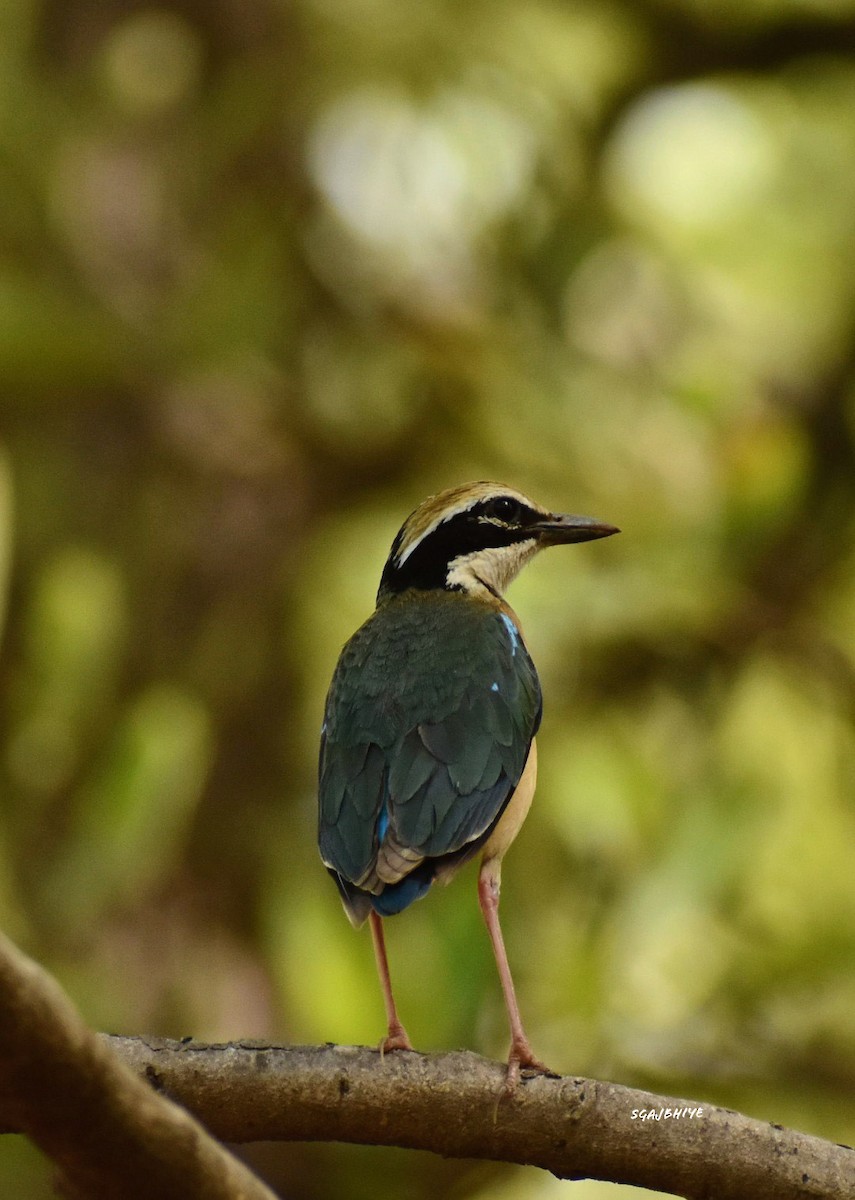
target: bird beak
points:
(562, 528)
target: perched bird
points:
(427, 747)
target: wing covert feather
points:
(427, 727)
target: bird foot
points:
(395, 1039)
(521, 1058)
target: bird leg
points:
(397, 1038)
(521, 1055)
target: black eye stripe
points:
(476, 528)
(506, 509)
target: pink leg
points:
(521, 1054)
(396, 1038)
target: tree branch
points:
(111, 1133)
(454, 1105)
(108, 1132)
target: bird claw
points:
(522, 1059)
(396, 1039)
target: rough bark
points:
(108, 1132)
(91, 1102)
(454, 1104)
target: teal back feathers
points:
(429, 719)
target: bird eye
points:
(503, 508)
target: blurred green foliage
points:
(271, 273)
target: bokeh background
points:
(269, 274)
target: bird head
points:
(476, 538)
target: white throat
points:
(491, 571)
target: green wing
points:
(428, 723)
